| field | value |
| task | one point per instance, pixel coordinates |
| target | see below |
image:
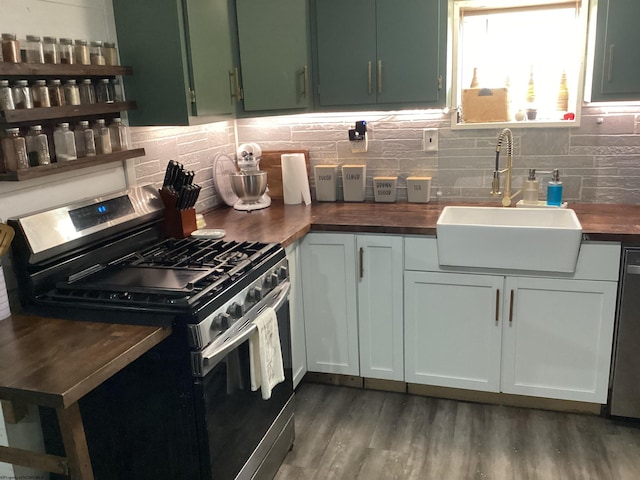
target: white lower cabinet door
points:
(296, 315)
(330, 303)
(380, 313)
(557, 338)
(453, 328)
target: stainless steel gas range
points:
(185, 409)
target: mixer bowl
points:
(249, 187)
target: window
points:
(524, 60)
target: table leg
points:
(75, 442)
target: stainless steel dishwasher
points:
(624, 400)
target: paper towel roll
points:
(5, 311)
(295, 182)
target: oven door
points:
(239, 429)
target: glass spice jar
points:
(96, 53)
(51, 50)
(65, 143)
(6, 97)
(37, 146)
(56, 93)
(67, 52)
(119, 135)
(10, 48)
(104, 92)
(71, 92)
(82, 53)
(34, 50)
(22, 95)
(102, 137)
(110, 53)
(40, 94)
(85, 140)
(117, 90)
(14, 149)
(87, 92)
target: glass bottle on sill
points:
(119, 135)
(102, 137)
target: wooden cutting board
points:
(271, 163)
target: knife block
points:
(177, 223)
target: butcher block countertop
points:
(54, 362)
(287, 223)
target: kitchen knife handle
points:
(369, 77)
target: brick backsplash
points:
(598, 161)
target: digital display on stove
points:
(107, 211)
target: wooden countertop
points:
(287, 223)
(54, 362)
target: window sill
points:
(513, 124)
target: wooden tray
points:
(271, 163)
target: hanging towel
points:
(265, 354)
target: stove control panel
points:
(240, 309)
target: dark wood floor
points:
(347, 433)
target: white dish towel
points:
(265, 354)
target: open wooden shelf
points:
(69, 111)
(61, 70)
(44, 170)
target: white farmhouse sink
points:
(509, 238)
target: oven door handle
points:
(210, 359)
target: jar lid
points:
(36, 128)
(8, 36)
(81, 42)
(55, 81)
(104, 80)
(13, 130)
(50, 39)
(83, 123)
(64, 125)
(109, 45)
(33, 38)
(41, 82)
(100, 121)
(4, 83)
(66, 41)
(86, 81)
(71, 81)
(96, 43)
(21, 83)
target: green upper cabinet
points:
(273, 39)
(180, 51)
(616, 72)
(389, 53)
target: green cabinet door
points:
(408, 45)
(273, 41)
(380, 52)
(346, 49)
(616, 74)
(181, 57)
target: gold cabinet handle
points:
(511, 307)
(497, 305)
(369, 77)
(612, 49)
(234, 85)
(361, 263)
(379, 76)
(305, 81)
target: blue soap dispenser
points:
(554, 190)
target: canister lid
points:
(419, 178)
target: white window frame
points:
(454, 87)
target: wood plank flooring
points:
(347, 433)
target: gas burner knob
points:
(221, 322)
(255, 294)
(235, 310)
(271, 281)
(283, 273)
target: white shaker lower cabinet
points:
(527, 335)
(452, 331)
(296, 314)
(352, 289)
(330, 309)
(380, 311)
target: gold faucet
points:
(507, 196)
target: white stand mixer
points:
(250, 185)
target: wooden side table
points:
(54, 363)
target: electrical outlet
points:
(430, 140)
